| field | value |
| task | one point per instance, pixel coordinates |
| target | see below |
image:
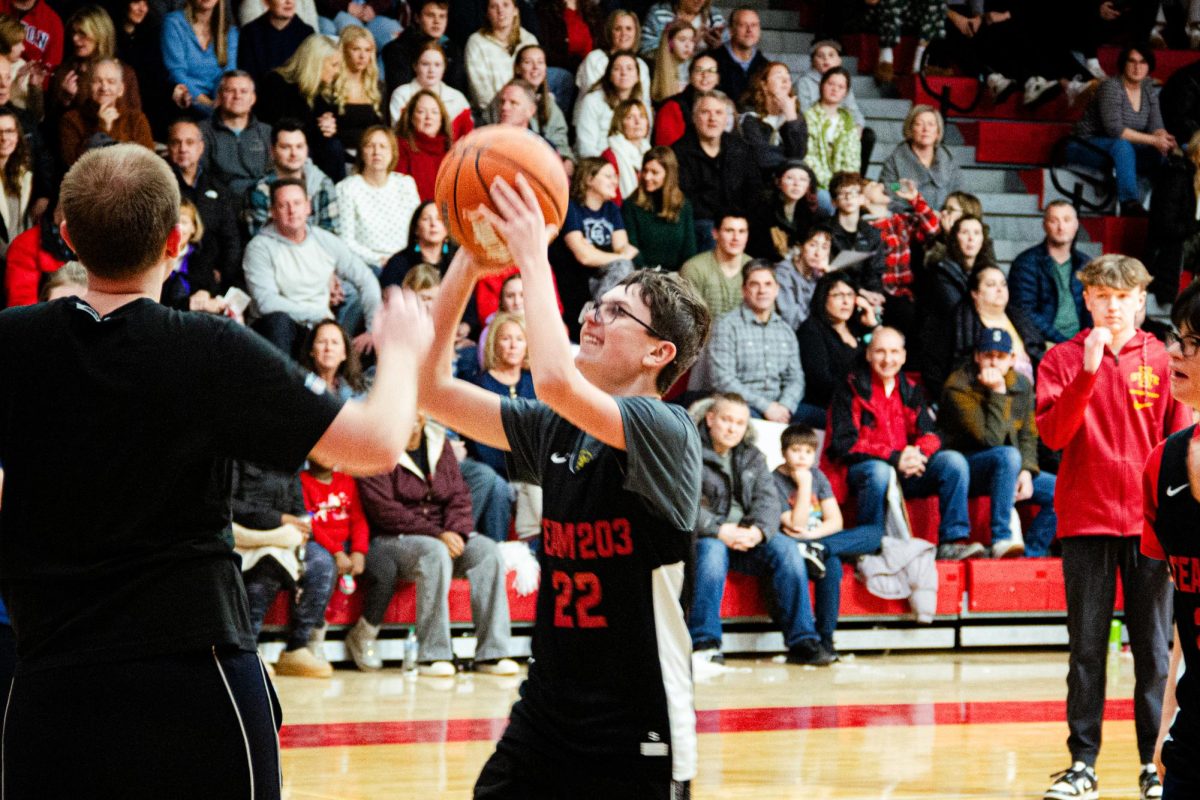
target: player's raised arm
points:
(366, 438)
(557, 380)
(469, 409)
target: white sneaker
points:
(1036, 89)
(503, 666)
(437, 669)
(1093, 66)
(1008, 548)
(1076, 783)
(999, 85)
(1149, 787)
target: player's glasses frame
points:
(606, 313)
(1188, 345)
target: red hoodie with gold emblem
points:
(1106, 424)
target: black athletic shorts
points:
(195, 725)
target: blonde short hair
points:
(1115, 271)
(911, 120)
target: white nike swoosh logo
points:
(1174, 490)
(558, 458)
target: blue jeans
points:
(810, 415)
(265, 579)
(777, 557)
(994, 473)
(946, 475)
(1129, 160)
(849, 543)
(1045, 525)
(491, 498)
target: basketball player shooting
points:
(607, 710)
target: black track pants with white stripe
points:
(195, 725)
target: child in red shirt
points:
(337, 516)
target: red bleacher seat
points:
(1017, 586)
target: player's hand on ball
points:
(402, 325)
(519, 220)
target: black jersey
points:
(116, 435)
(1171, 534)
(610, 683)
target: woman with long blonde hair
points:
(356, 95)
(675, 52)
(301, 89)
(490, 50)
(199, 44)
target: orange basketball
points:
(465, 179)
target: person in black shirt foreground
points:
(138, 676)
(1171, 498)
(607, 710)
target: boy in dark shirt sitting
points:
(811, 515)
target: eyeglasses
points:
(841, 295)
(705, 70)
(1188, 345)
(606, 313)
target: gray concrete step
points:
(776, 42)
(991, 181)
(891, 132)
(873, 108)
(864, 87)
(1008, 204)
(1027, 228)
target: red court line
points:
(729, 720)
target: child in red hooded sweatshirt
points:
(1102, 398)
(337, 518)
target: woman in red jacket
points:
(674, 118)
(425, 137)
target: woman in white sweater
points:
(375, 205)
(489, 52)
(622, 32)
(594, 113)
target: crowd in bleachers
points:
(306, 137)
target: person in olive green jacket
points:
(987, 414)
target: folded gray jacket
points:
(904, 568)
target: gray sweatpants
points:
(426, 560)
(1090, 565)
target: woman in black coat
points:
(833, 337)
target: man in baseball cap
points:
(988, 416)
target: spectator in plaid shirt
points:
(920, 224)
(753, 351)
(289, 154)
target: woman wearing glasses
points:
(1171, 507)
(674, 118)
(836, 333)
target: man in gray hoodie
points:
(291, 267)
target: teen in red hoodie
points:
(1102, 398)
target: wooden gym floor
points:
(940, 725)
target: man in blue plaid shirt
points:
(753, 351)
(289, 154)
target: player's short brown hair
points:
(679, 315)
(1115, 271)
(119, 203)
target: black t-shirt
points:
(116, 435)
(1170, 535)
(610, 684)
